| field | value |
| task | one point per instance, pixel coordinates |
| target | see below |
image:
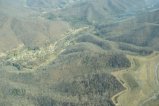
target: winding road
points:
(152, 97)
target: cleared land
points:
(141, 83)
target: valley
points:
(22, 57)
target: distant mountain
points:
(50, 4)
(105, 11)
